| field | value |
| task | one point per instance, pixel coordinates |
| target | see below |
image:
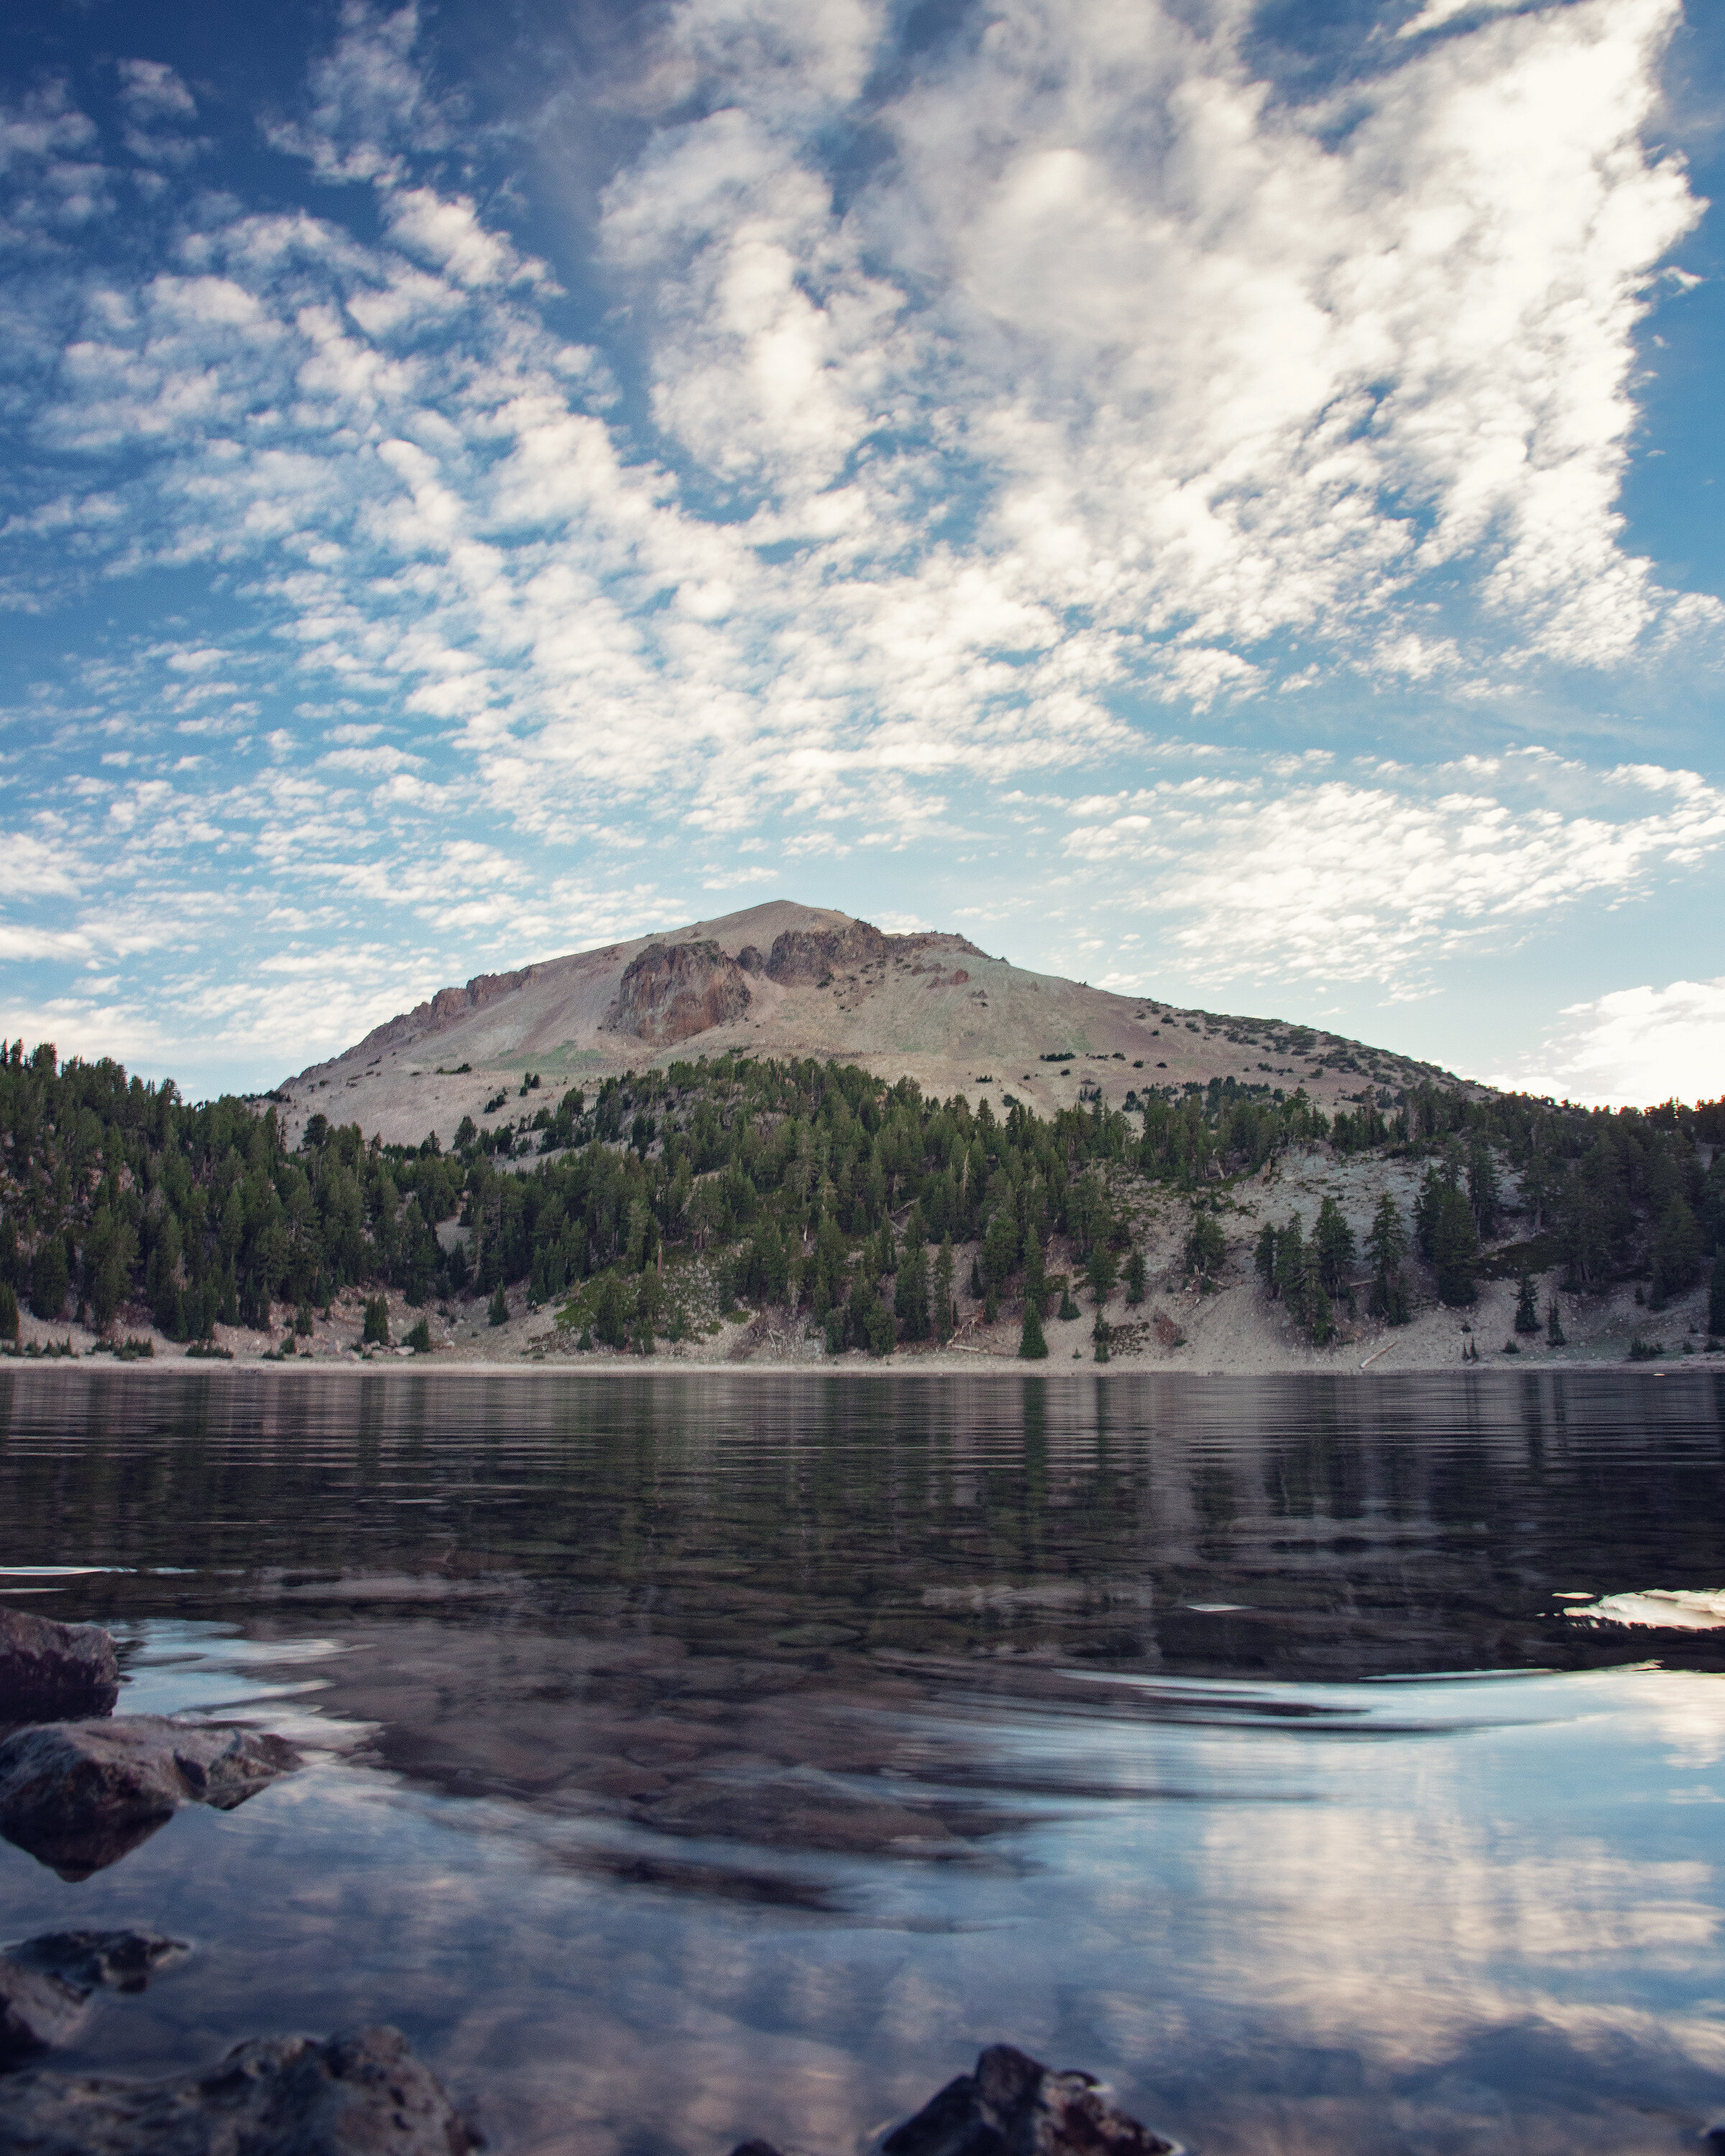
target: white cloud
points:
(1113, 375)
(1338, 880)
(1634, 1048)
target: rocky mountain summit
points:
(790, 980)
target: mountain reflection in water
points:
(696, 1759)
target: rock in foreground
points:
(45, 1984)
(79, 1795)
(362, 2094)
(51, 1673)
(1012, 2106)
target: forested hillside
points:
(810, 1186)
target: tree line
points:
(811, 1186)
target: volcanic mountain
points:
(783, 979)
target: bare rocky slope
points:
(783, 979)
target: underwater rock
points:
(360, 2094)
(53, 1673)
(45, 1984)
(79, 1795)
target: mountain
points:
(788, 980)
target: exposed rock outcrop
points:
(1012, 2106)
(362, 2094)
(46, 1983)
(52, 1672)
(79, 1795)
(806, 958)
(672, 990)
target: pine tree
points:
(1100, 1274)
(1264, 1258)
(945, 1316)
(1135, 1277)
(375, 1332)
(1676, 1252)
(1291, 1268)
(420, 1339)
(8, 1312)
(1101, 1333)
(498, 1313)
(1526, 1310)
(1032, 1348)
(1035, 1277)
(49, 1277)
(1386, 1246)
(1068, 1310)
(1206, 1246)
(1484, 1193)
(1553, 1325)
(1333, 1239)
(1455, 1247)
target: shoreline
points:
(621, 1366)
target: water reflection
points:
(774, 1746)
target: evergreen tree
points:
(1455, 1247)
(1101, 1273)
(1206, 1246)
(1526, 1310)
(420, 1339)
(1554, 1324)
(498, 1314)
(1264, 1258)
(1333, 1241)
(1135, 1277)
(649, 1298)
(1676, 1252)
(49, 1277)
(1291, 1268)
(1101, 1334)
(1035, 1277)
(1068, 1310)
(1484, 1193)
(8, 1312)
(1032, 1348)
(1386, 1246)
(375, 1331)
(946, 1315)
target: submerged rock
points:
(50, 1672)
(46, 1983)
(79, 1795)
(1012, 2106)
(361, 2094)
(38, 2010)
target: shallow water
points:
(693, 1758)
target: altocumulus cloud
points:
(1099, 389)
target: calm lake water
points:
(690, 1758)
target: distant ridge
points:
(786, 979)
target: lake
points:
(690, 1758)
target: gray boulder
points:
(79, 1795)
(46, 1983)
(361, 2094)
(51, 1673)
(1012, 2106)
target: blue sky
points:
(1211, 499)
